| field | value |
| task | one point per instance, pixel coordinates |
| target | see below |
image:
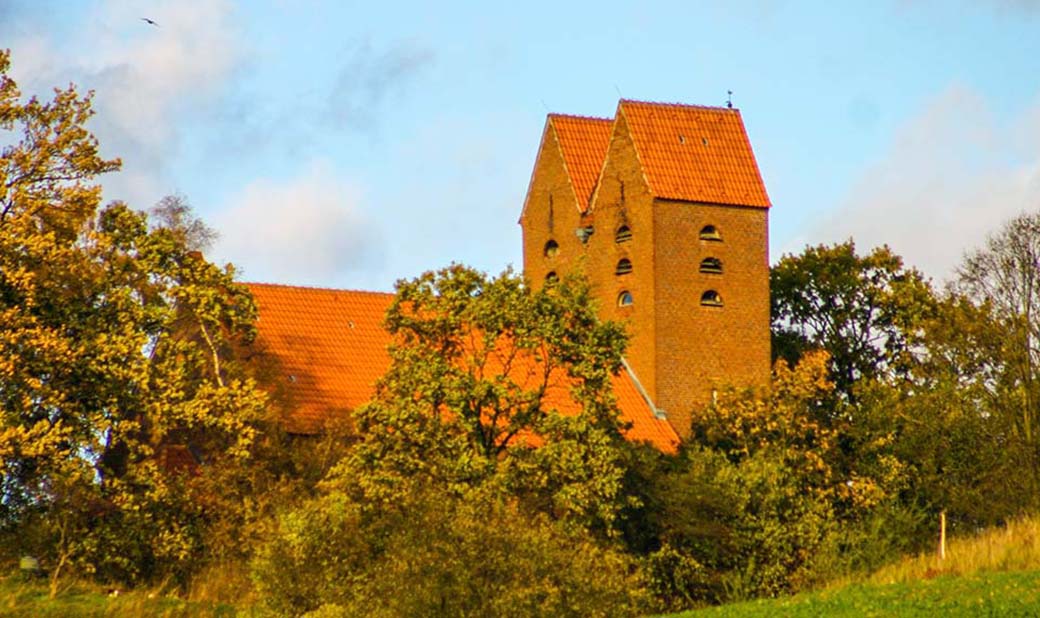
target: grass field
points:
(986, 594)
(996, 573)
(19, 599)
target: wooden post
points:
(942, 535)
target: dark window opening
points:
(551, 249)
(624, 299)
(624, 266)
(711, 265)
(709, 232)
(623, 234)
(711, 298)
(552, 277)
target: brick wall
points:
(700, 347)
(622, 197)
(551, 213)
(679, 350)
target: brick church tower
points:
(663, 209)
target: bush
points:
(440, 555)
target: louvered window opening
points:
(711, 266)
(711, 298)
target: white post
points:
(942, 535)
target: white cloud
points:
(146, 78)
(953, 174)
(305, 230)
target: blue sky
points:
(348, 144)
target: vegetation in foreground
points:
(996, 573)
(20, 598)
(139, 447)
(1007, 595)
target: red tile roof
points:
(694, 153)
(330, 349)
(583, 142)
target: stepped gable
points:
(329, 348)
(583, 142)
(694, 153)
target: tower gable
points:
(552, 211)
(695, 154)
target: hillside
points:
(996, 573)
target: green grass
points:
(20, 599)
(985, 594)
(996, 573)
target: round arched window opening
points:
(710, 232)
(711, 298)
(711, 265)
(551, 249)
(624, 299)
(551, 278)
(624, 266)
(623, 234)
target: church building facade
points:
(664, 210)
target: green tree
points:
(865, 311)
(469, 491)
(439, 553)
(115, 342)
(479, 369)
(1003, 278)
(766, 489)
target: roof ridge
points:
(315, 287)
(719, 108)
(579, 117)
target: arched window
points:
(623, 234)
(711, 298)
(710, 232)
(624, 299)
(551, 249)
(551, 278)
(624, 266)
(711, 265)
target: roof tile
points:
(330, 348)
(584, 142)
(695, 153)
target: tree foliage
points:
(479, 369)
(1003, 280)
(864, 311)
(469, 491)
(440, 554)
(114, 347)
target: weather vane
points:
(729, 99)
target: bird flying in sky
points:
(149, 21)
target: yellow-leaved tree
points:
(116, 395)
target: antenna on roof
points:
(618, 90)
(729, 99)
(547, 110)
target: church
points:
(662, 208)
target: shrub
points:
(440, 555)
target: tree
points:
(114, 353)
(479, 369)
(865, 311)
(438, 553)
(1004, 278)
(174, 213)
(487, 476)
